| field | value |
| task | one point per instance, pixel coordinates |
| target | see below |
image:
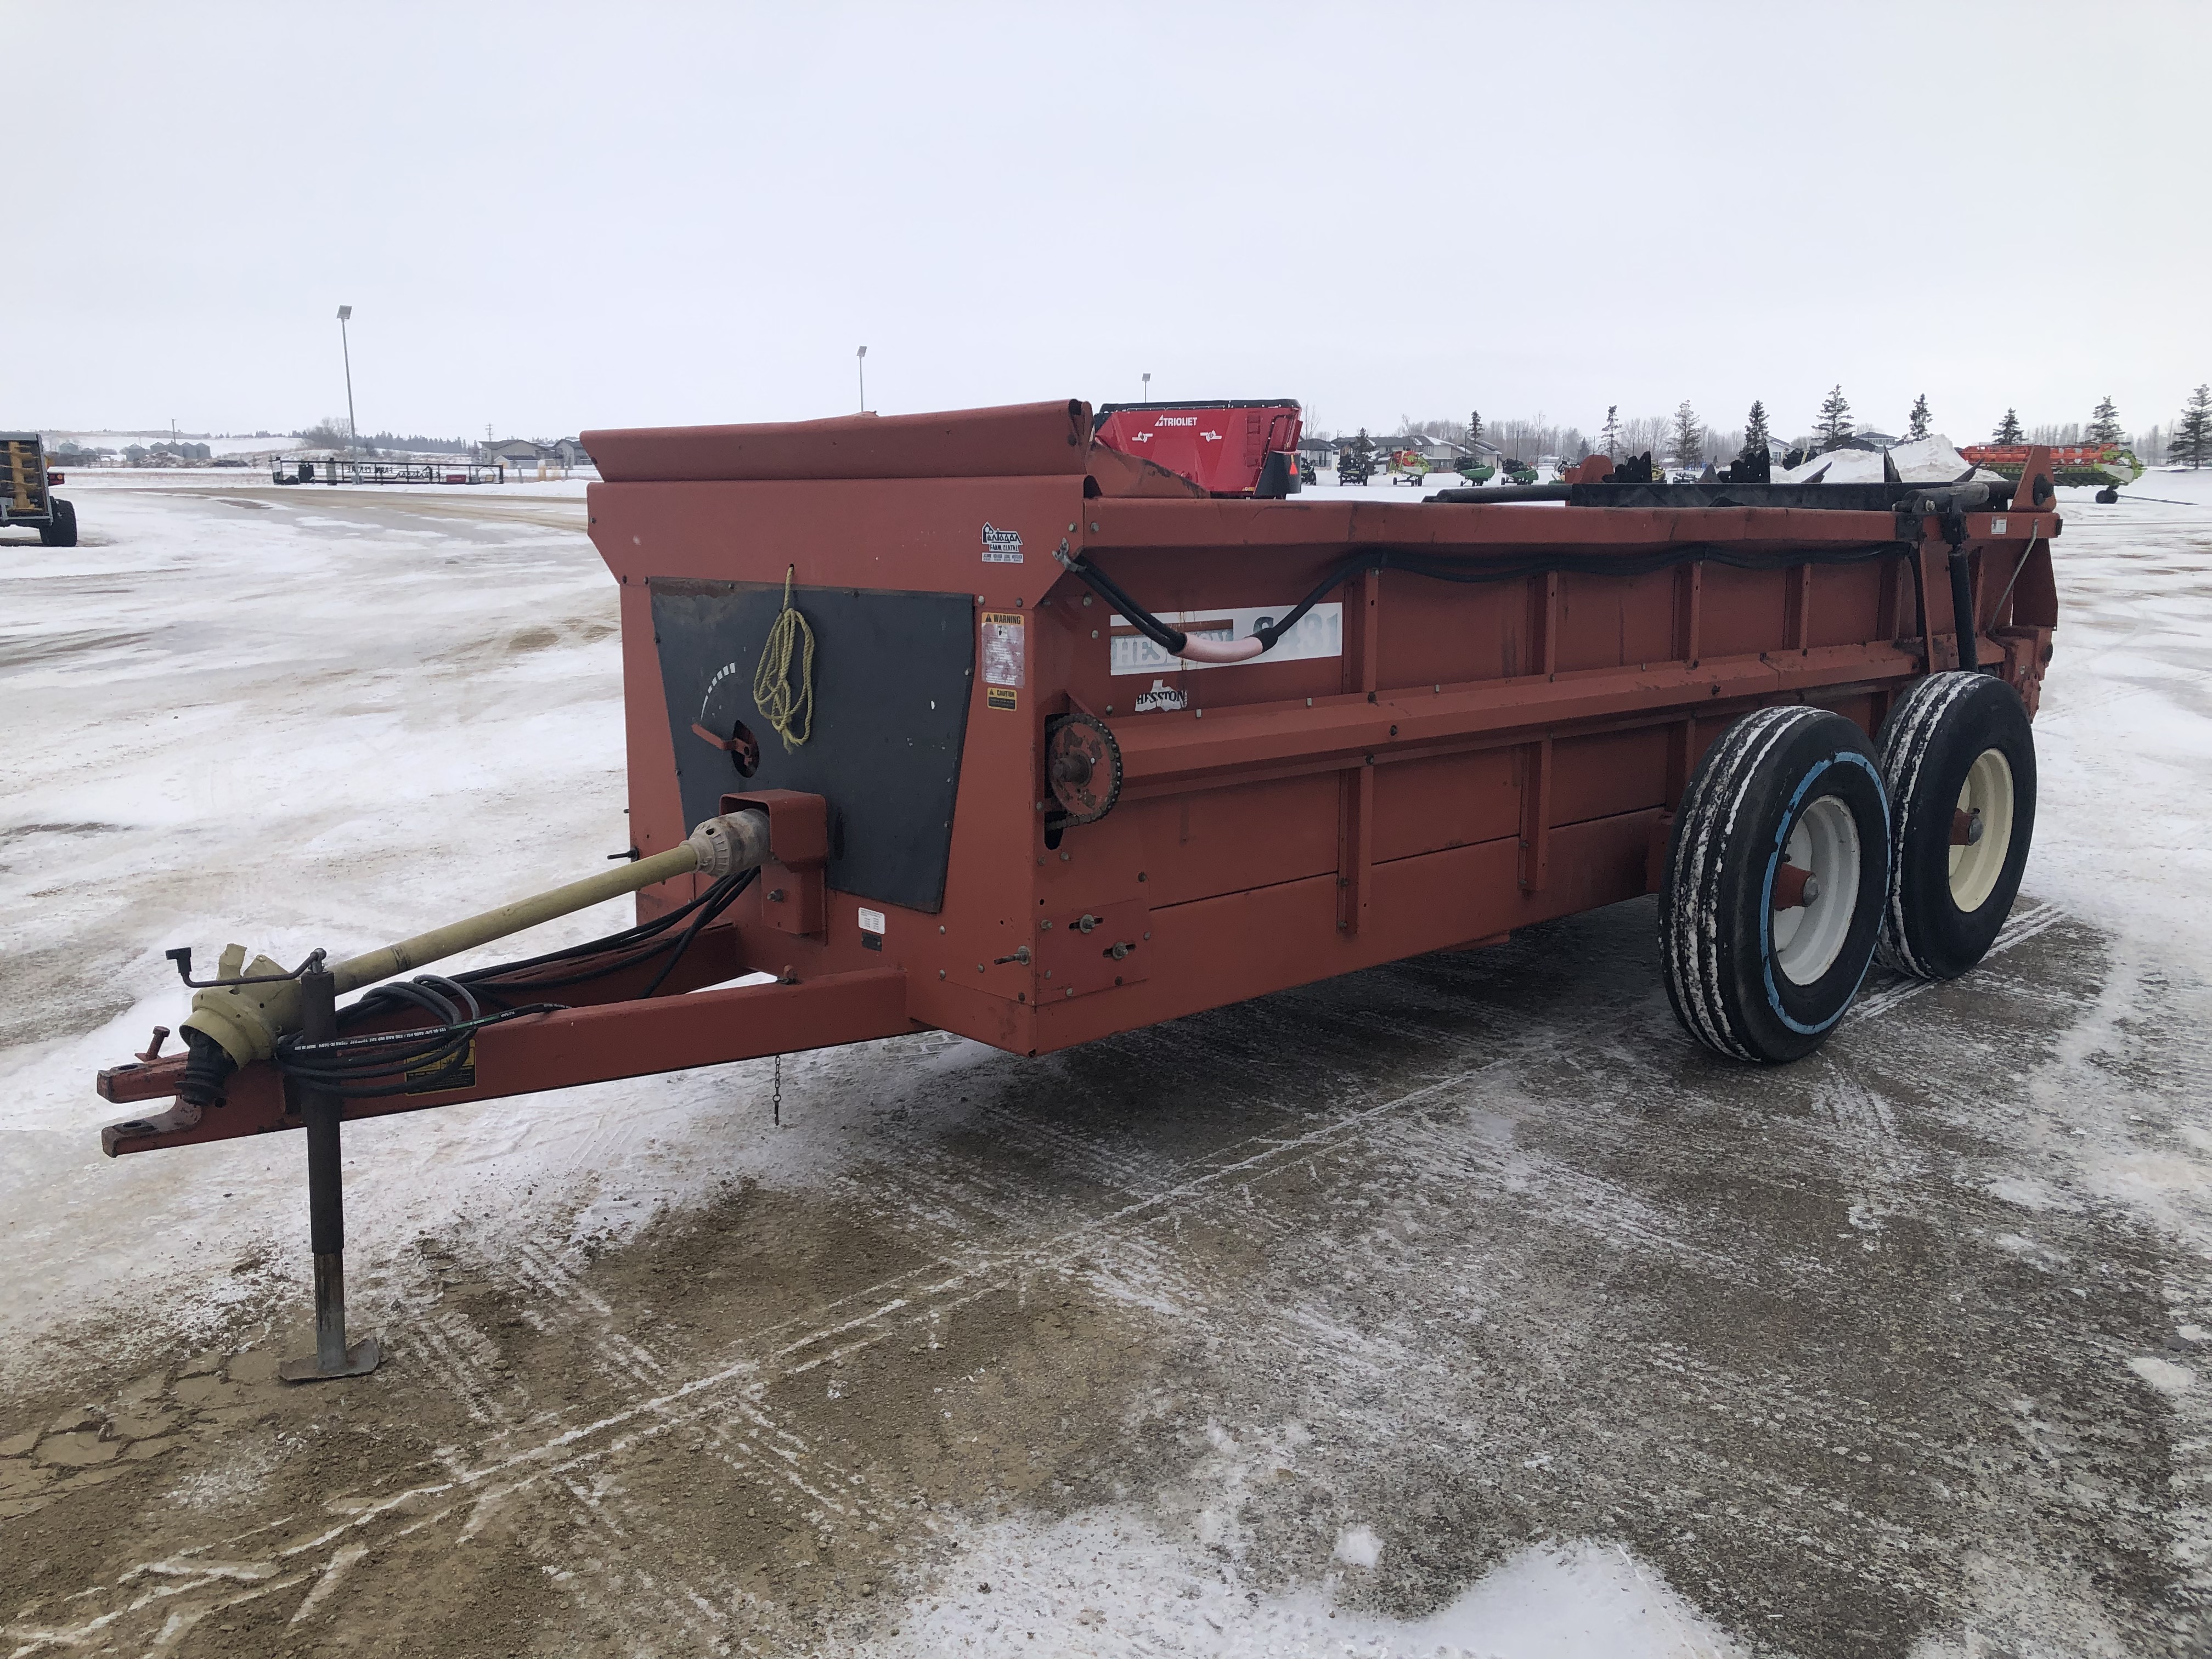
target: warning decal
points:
(1005, 652)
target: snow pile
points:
(1930, 460)
(1104, 1582)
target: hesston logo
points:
(1161, 695)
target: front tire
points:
(1958, 757)
(61, 533)
(1776, 872)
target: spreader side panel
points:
(891, 672)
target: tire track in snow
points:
(723, 1403)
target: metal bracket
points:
(182, 956)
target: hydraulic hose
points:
(456, 937)
(1449, 567)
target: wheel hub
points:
(1814, 891)
(1981, 829)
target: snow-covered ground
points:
(1457, 1308)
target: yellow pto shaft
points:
(247, 1019)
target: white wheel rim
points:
(1988, 791)
(1809, 937)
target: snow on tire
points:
(1958, 757)
(1778, 872)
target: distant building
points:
(528, 454)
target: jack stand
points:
(319, 1022)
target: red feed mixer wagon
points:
(1231, 448)
(981, 722)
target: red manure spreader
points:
(984, 721)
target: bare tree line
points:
(1655, 435)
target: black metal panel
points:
(891, 677)
(1830, 497)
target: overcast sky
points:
(549, 218)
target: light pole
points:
(1147, 397)
(860, 362)
(353, 433)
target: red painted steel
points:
(1422, 766)
(561, 1050)
(1220, 450)
(2063, 455)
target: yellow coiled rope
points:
(789, 709)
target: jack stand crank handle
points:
(326, 1207)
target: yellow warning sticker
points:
(999, 696)
(457, 1072)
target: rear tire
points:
(1784, 791)
(61, 533)
(1955, 743)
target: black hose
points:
(423, 1059)
(736, 884)
(1448, 568)
(1170, 639)
(1964, 623)
(489, 982)
(1444, 568)
(392, 1062)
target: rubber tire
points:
(61, 533)
(1715, 933)
(1928, 742)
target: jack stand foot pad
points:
(361, 1359)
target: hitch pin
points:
(153, 1050)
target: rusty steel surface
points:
(1422, 765)
(1466, 761)
(1051, 438)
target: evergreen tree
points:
(1474, 425)
(2008, 430)
(1835, 423)
(1756, 437)
(2191, 438)
(2104, 424)
(1687, 443)
(1611, 433)
(1917, 426)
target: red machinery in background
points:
(982, 721)
(1231, 448)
